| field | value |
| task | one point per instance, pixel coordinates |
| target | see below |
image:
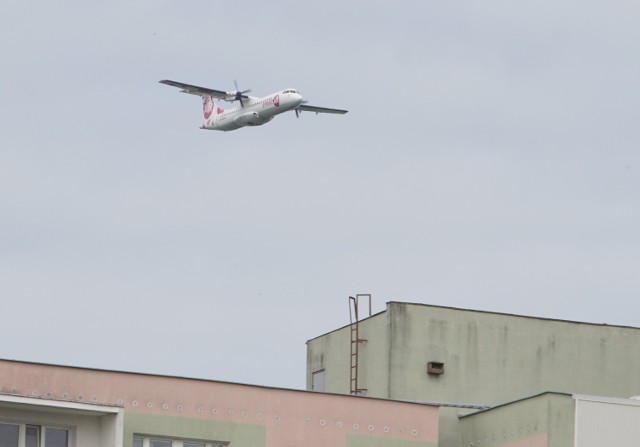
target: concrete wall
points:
(605, 421)
(545, 420)
(489, 358)
(331, 354)
(228, 413)
(333, 351)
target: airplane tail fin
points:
(208, 106)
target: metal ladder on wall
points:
(356, 340)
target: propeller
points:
(240, 94)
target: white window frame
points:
(146, 441)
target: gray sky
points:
(490, 160)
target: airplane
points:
(252, 111)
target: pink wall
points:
(290, 416)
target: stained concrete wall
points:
(488, 358)
(334, 349)
(546, 420)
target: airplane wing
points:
(307, 108)
(195, 90)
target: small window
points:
(32, 436)
(160, 443)
(12, 435)
(56, 437)
(9, 435)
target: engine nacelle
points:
(230, 96)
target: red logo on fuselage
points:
(207, 107)
(276, 100)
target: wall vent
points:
(435, 368)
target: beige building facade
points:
(97, 408)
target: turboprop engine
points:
(237, 95)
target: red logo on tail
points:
(207, 106)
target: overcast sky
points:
(490, 160)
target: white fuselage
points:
(253, 111)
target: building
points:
(57, 406)
(40, 421)
(423, 376)
(554, 420)
(466, 360)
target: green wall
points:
(373, 441)
(489, 358)
(550, 414)
(239, 434)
